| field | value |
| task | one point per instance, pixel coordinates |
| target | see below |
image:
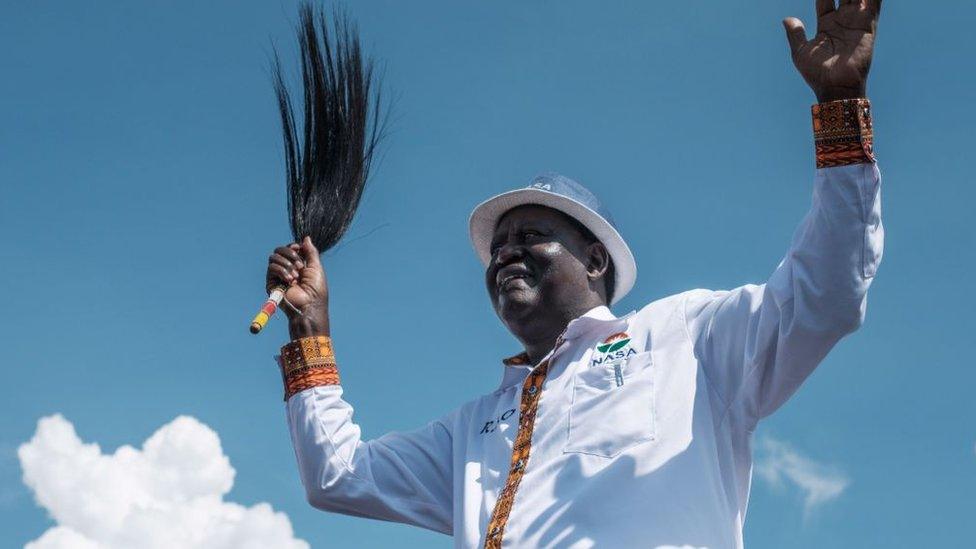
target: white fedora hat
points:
(569, 197)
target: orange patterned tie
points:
(531, 392)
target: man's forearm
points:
(402, 477)
(754, 350)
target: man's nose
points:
(509, 252)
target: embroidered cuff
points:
(843, 133)
(308, 362)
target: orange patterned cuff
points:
(843, 133)
(308, 362)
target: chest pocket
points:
(613, 407)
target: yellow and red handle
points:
(268, 309)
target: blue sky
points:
(143, 190)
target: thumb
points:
(310, 253)
(795, 33)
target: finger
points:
(278, 276)
(290, 253)
(310, 253)
(288, 272)
(824, 7)
(290, 266)
(795, 33)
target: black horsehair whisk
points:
(343, 121)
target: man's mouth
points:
(510, 277)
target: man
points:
(609, 432)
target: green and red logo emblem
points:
(613, 343)
(615, 347)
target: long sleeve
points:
(758, 343)
(400, 477)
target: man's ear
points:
(597, 260)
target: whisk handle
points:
(268, 309)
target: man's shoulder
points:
(678, 302)
(685, 308)
(694, 306)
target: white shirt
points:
(647, 445)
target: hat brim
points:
(485, 217)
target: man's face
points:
(538, 260)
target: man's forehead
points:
(531, 212)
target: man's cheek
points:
(549, 248)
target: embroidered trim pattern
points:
(308, 362)
(520, 359)
(528, 407)
(843, 133)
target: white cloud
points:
(778, 463)
(168, 494)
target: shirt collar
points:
(598, 316)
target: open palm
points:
(835, 63)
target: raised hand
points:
(298, 268)
(835, 63)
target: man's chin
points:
(516, 305)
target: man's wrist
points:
(308, 362)
(841, 94)
(307, 326)
(843, 132)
